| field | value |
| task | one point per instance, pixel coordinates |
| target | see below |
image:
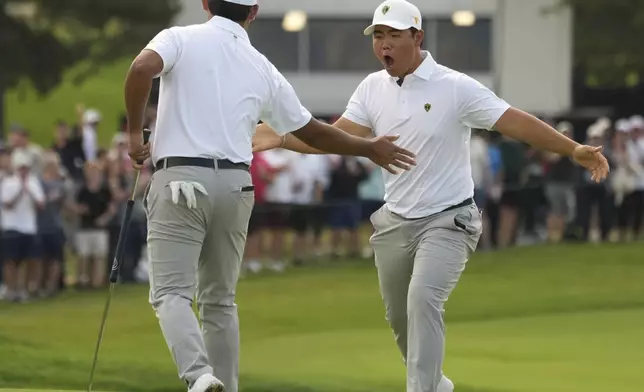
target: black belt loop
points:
(217, 164)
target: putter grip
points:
(120, 245)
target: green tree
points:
(41, 39)
(608, 40)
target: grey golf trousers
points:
(199, 251)
(419, 262)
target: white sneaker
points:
(445, 385)
(207, 383)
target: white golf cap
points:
(564, 127)
(595, 130)
(397, 14)
(21, 158)
(622, 125)
(242, 2)
(637, 122)
(92, 116)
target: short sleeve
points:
(356, 110)
(8, 190)
(37, 190)
(167, 45)
(284, 112)
(478, 107)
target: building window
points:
(339, 45)
(279, 46)
(466, 49)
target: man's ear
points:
(420, 38)
(253, 13)
(204, 4)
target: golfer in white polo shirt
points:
(430, 225)
(214, 89)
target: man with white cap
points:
(214, 89)
(429, 225)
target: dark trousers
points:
(631, 212)
(589, 196)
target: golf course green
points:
(536, 319)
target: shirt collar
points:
(426, 68)
(230, 26)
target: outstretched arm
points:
(266, 138)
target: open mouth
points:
(389, 61)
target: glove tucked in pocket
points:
(187, 189)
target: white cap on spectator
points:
(623, 125)
(604, 122)
(596, 130)
(21, 158)
(92, 116)
(119, 138)
(242, 2)
(637, 122)
(397, 14)
(564, 127)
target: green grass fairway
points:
(545, 319)
(103, 91)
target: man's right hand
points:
(385, 154)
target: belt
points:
(464, 203)
(165, 163)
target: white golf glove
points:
(188, 191)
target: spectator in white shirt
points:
(308, 177)
(91, 119)
(279, 196)
(21, 196)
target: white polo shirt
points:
(433, 112)
(215, 87)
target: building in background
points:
(513, 47)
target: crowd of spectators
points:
(62, 204)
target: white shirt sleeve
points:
(284, 112)
(167, 45)
(36, 190)
(356, 110)
(8, 189)
(478, 107)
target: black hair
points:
(235, 12)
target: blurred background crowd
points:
(64, 201)
(65, 174)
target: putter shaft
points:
(107, 304)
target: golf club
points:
(116, 265)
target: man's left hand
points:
(591, 158)
(137, 150)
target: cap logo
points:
(385, 9)
(428, 107)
